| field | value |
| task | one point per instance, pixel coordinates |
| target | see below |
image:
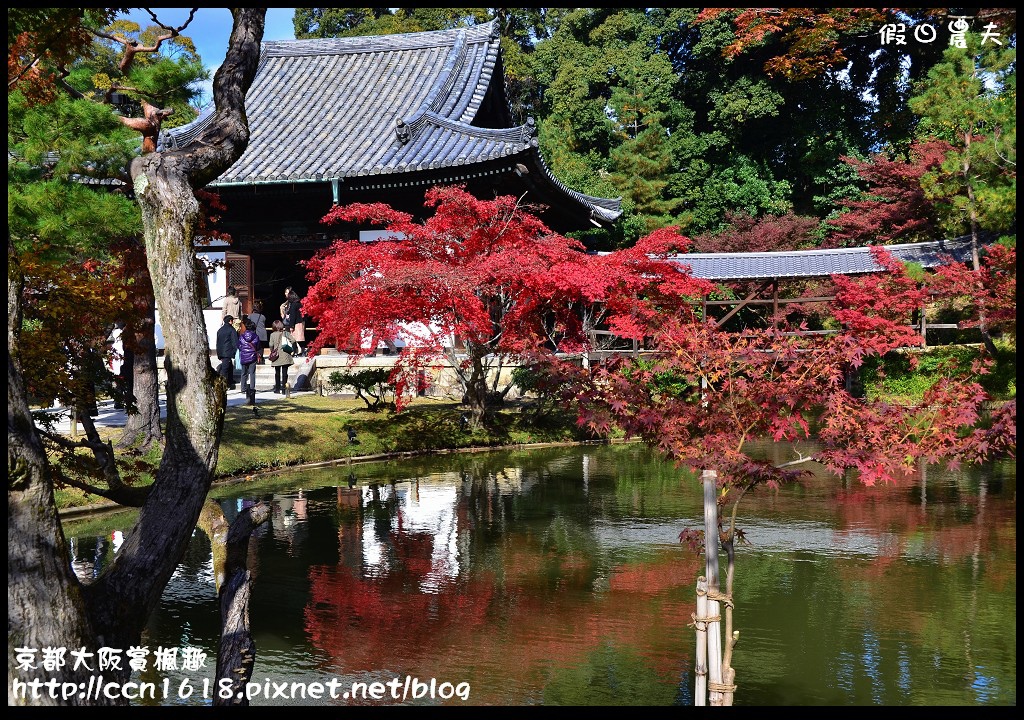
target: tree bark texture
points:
(142, 426)
(45, 599)
(45, 607)
(237, 653)
(163, 184)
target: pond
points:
(556, 577)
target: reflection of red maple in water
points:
(358, 618)
(524, 625)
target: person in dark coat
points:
(227, 346)
(293, 321)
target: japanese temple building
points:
(382, 119)
(370, 119)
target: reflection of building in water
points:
(422, 526)
(507, 481)
(423, 529)
(89, 555)
(288, 519)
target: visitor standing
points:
(232, 305)
(248, 351)
(281, 343)
(260, 321)
(283, 309)
(227, 345)
(293, 321)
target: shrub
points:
(372, 385)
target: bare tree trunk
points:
(215, 525)
(476, 389)
(44, 602)
(986, 337)
(237, 654)
(163, 184)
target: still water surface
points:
(556, 576)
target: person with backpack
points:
(260, 319)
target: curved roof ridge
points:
(184, 135)
(606, 209)
(375, 43)
(519, 133)
(442, 87)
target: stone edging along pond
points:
(77, 513)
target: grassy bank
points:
(310, 429)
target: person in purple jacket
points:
(248, 353)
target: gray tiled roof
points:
(817, 263)
(358, 108)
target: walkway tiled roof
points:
(361, 109)
(818, 263)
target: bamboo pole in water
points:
(710, 478)
(700, 623)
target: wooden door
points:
(239, 273)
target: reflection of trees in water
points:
(534, 601)
(368, 605)
(523, 546)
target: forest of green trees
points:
(766, 129)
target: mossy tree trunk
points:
(47, 605)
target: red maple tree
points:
(811, 36)
(481, 283)
(704, 395)
(994, 285)
(894, 207)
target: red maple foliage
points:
(68, 312)
(770, 233)
(894, 207)
(704, 394)
(481, 282)
(993, 286)
(42, 42)
(812, 36)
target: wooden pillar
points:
(700, 624)
(714, 624)
(775, 304)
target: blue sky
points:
(211, 28)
